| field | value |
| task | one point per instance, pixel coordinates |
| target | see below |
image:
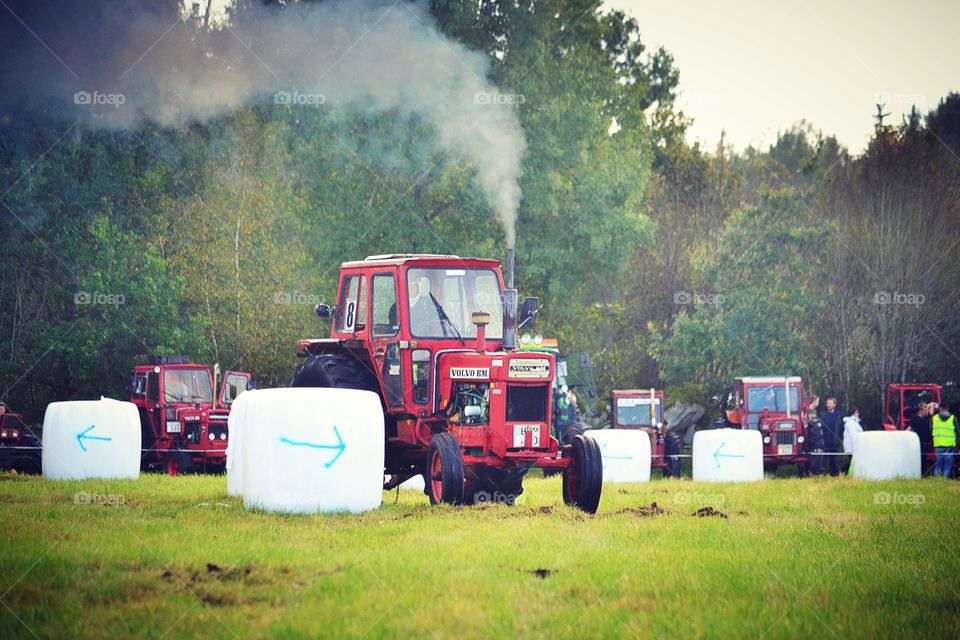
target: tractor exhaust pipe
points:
(509, 308)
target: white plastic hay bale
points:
(884, 455)
(625, 453)
(235, 429)
(305, 450)
(91, 439)
(415, 483)
(727, 455)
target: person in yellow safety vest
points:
(944, 441)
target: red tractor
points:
(19, 449)
(435, 336)
(902, 403)
(777, 407)
(183, 427)
(643, 410)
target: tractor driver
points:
(424, 317)
(175, 389)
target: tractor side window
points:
(421, 376)
(384, 306)
(153, 387)
(352, 307)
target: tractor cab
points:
(435, 337)
(777, 408)
(903, 401)
(183, 425)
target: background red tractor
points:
(183, 426)
(435, 336)
(643, 410)
(19, 449)
(777, 407)
(901, 406)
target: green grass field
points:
(815, 558)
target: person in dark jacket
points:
(816, 442)
(832, 435)
(920, 425)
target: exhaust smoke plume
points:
(115, 63)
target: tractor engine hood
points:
(497, 368)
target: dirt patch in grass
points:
(641, 512)
(709, 512)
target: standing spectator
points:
(920, 424)
(851, 427)
(944, 440)
(815, 444)
(832, 434)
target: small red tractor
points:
(183, 427)
(643, 410)
(902, 403)
(19, 449)
(777, 407)
(435, 337)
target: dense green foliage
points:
(217, 239)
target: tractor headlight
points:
(766, 439)
(3, 434)
(538, 339)
(800, 439)
(212, 436)
(526, 339)
(14, 433)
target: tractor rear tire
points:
(444, 479)
(583, 480)
(31, 463)
(177, 463)
(335, 371)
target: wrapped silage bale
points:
(91, 439)
(884, 455)
(625, 454)
(308, 450)
(727, 455)
(235, 427)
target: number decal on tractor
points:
(520, 432)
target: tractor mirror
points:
(323, 310)
(528, 312)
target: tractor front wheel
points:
(444, 474)
(177, 463)
(583, 480)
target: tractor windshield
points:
(773, 398)
(442, 300)
(635, 412)
(187, 385)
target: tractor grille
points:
(527, 404)
(785, 438)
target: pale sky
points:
(752, 67)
